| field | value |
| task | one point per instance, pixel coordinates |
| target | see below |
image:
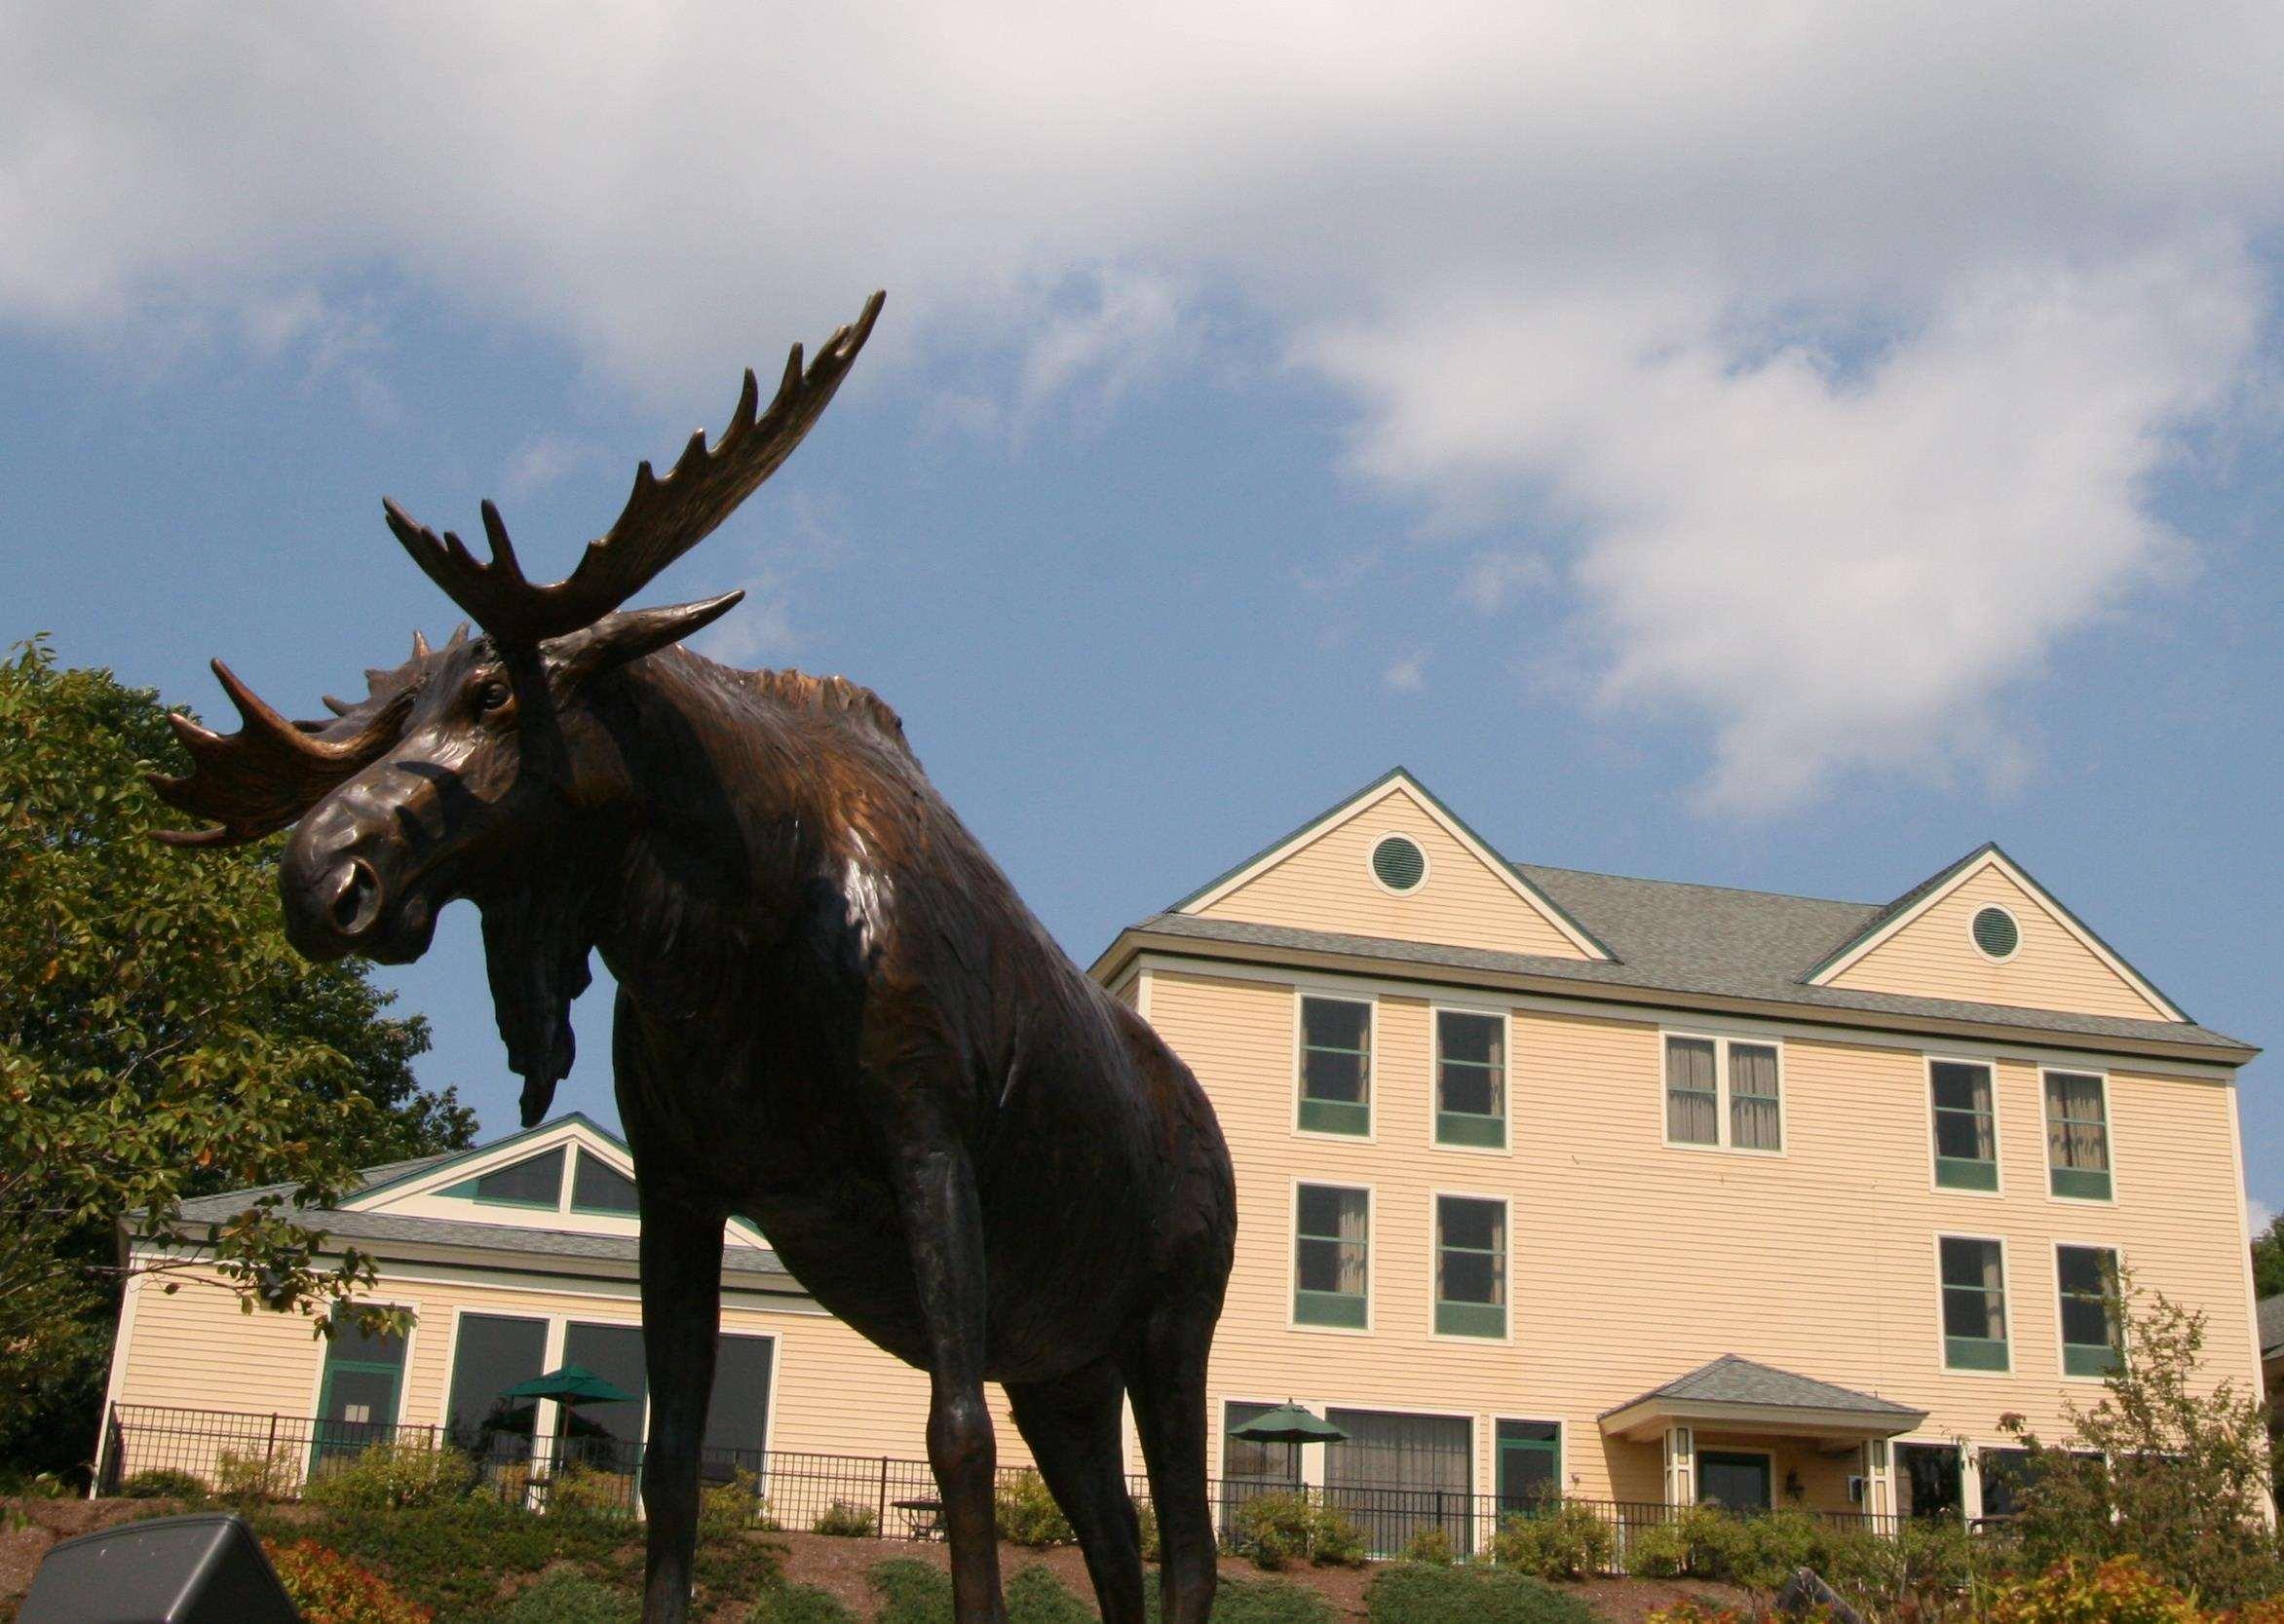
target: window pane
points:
(2077, 1133)
(535, 1181)
(1693, 1108)
(1472, 1067)
(2087, 1277)
(1960, 1086)
(598, 1186)
(1336, 1062)
(1928, 1477)
(601, 1434)
(1320, 1209)
(1331, 1249)
(1479, 1226)
(1396, 1476)
(491, 1354)
(2086, 1269)
(737, 1417)
(1473, 1038)
(1961, 1136)
(1469, 1277)
(1326, 1076)
(1753, 1109)
(2004, 1474)
(351, 1342)
(1974, 1301)
(1320, 1265)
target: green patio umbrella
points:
(1289, 1423)
(572, 1384)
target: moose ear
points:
(631, 633)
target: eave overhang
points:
(1650, 1415)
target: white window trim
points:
(2006, 1301)
(1562, 1459)
(2109, 1134)
(1506, 1208)
(460, 1311)
(1371, 1256)
(1979, 910)
(1302, 992)
(1998, 1121)
(1372, 869)
(1437, 1010)
(1723, 1127)
(2061, 1339)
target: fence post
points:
(881, 1524)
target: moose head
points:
(480, 768)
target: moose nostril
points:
(356, 897)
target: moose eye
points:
(492, 695)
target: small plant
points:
(1254, 1602)
(1414, 1592)
(392, 1477)
(1035, 1595)
(163, 1483)
(581, 1490)
(1027, 1512)
(250, 1479)
(799, 1603)
(1560, 1542)
(1145, 1524)
(1334, 1541)
(910, 1592)
(567, 1596)
(330, 1589)
(2123, 1590)
(1658, 1551)
(1430, 1545)
(846, 1520)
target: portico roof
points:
(1733, 1392)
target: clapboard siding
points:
(1327, 885)
(1934, 957)
(1634, 1262)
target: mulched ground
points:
(838, 1565)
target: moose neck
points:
(739, 815)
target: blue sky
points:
(1783, 455)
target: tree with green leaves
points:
(2268, 1259)
(2168, 1466)
(159, 1039)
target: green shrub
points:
(1146, 1523)
(732, 1507)
(389, 1477)
(799, 1603)
(581, 1490)
(162, 1482)
(1565, 1541)
(1280, 1529)
(451, 1557)
(911, 1591)
(1431, 1545)
(1035, 1596)
(1415, 1593)
(1761, 1553)
(330, 1589)
(1254, 1602)
(1919, 1571)
(567, 1596)
(1657, 1551)
(1027, 1512)
(250, 1479)
(736, 1566)
(845, 1520)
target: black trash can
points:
(204, 1568)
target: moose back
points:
(835, 1017)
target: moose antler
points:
(271, 770)
(663, 519)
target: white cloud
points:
(803, 542)
(1407, 674)
(542, 460)
(2258, 1215)
(1820, 337)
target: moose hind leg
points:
(1071, 1425)
(943, 1226)
(1165, 1377)
(681, 1250)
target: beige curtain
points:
(2077, 1133)
(1753, 1109)
(1995, 1291)
(1354, 1219)
(1692, 1107)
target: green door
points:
(1734, 1479)
(357, 1405)
(1530, 1465)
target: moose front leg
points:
(943, 1228)
(681, 1315)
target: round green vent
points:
(1398, 863)
(1997, 933)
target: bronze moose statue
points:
(835, 1016)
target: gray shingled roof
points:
(1731, 1380)
(521, 1240)
(2272, 1313)
(1698, 940)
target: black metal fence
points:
(156, 1450)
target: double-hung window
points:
(1966, 1125)
(2078, 1136)
(1974, 1304)
(1723, 1091)
(1336, 1066)
(1470, 1079)
(1332, 1257)
(1470, 1266)
(2088, 1278)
